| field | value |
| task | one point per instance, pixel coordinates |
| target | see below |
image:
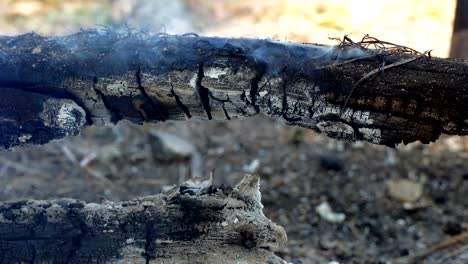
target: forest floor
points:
(299, 171)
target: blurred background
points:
(338, 201)
(421, 24)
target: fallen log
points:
(192, 223)
(54, 86)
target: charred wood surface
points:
(192, 223)
(52, 87)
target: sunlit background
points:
(421, 24)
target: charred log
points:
(192, 223)
(54, 86)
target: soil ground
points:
(299, 171)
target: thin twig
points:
(454, 253)
(347, 61)
(382, 46)
(372, 73)
(449, 242)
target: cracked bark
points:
(181, 105)
(192, 223)
(203, 92)
(54, 86)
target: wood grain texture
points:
(54, 86)
(192, 223)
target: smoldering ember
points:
(53, 87)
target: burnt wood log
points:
(192, 223)
(54, 86)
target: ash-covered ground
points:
(395, 202)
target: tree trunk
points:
(192, 223)
(459, 44)
(54, 86)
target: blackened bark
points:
(53, 86)
(192, 223)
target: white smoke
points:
(278, 55)
(154, 16)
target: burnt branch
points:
(191, 223)
(54, 86)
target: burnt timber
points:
(191, 223)
(52, 87)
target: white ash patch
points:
(215, 72)
(24, 138)
(263, 93)
(193, 81)
(64, 114)
(119, 88)
(357, 116)
(67, 117)
(373, 135)
(337, 130)
(92, 206)
(123, 85)
(322, 108)
(129, 241)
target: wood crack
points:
(285, 104)
(179, 103)
(115, 115)
(203, 92)
(254, 89)
(155, 106)
(149, 238)
(76, 241)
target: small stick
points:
(347, 61)
(451, 241)
(372, 73)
